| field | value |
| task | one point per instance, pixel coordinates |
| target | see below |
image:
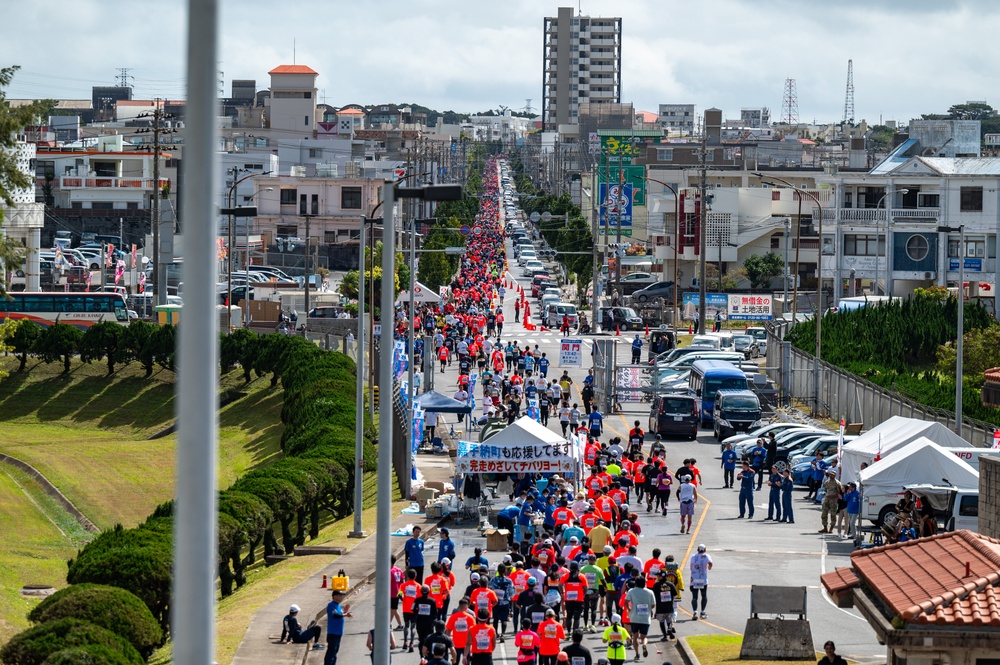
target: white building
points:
(291, 108)
(332, 207)
(24, 220)
(678, 119)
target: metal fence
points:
(857, 400)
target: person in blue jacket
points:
(757, 456)
(543, 367)
(787, 485)
(524, 525)
(446, 547)
(413, 550)
(819, 467)
(853, 499)
(746, 478)
(728, 466)
(636, 350)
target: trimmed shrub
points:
(91, 654)
(58, 342)
(116, 609)
(35, 645)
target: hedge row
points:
(315, 475)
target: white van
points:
(554, 314)
(709, 339)
(725, 340)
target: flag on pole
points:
(840, 449)
(89, 275)
(108, 260)
(119, 271)
(878, 455)
(133, 256)
(996, 439)
(142, 282)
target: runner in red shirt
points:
(589, 520)
(574, 589)
(483, 598)
(482, 640)
(551, 633)
(458, 626)
(527, 642)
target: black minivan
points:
(675, 415)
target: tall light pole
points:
(246, 295)
(677, 235)
(784, 302)
(702, 243)
(888, 219)
(819, 284)
(359, 424)
(959, 343)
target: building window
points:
(350, 198)
(287, 230)
(253, 167)
(929, 201)
(307, 95)
(288, 197)
(971, 199)
(975, 247)
(329, 237)
(710, 155)
(864, 245)
(917, 248)
(315, 153)
(664, 154)
(306, 121)
(315, 204)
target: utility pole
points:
(308, 260)
(160, 244)
(594, 212)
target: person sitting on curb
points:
(292, 633)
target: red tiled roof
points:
(350, 112)
(951, 579)
(993, 375)
(292, 69)
(840, 580)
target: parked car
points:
(735, 411)
(639, 277)
(760, 335)
(747, 345)
(777, 428)
(657, 290)
(625, 318)
(673, 414)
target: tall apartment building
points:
(581, 63)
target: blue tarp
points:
(435, 401)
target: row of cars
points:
(551, 309)
(797, 445)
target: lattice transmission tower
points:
(849, 95)
(790, 104)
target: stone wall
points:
(989, 496)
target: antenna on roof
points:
(293, 51)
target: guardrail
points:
(842, 394)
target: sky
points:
(910, 56)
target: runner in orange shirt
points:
(562, 515)
(457, 627)
(651, 569)
(574, 589)
(483, 598)
(409, 592)
(439, 586)
(482, 640)
(589, 520)
(551, 633)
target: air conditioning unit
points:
(928, 275)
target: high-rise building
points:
(581, 63)
(678, 119)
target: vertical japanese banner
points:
(417, 434)
(840, 449)
(399, 359)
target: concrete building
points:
(333, 207)
(678, 119)
(581, 62)
(292, 104)
(24, 220)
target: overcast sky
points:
(910, 56)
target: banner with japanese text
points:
(515, 458)
(571, 352)
(750, 307)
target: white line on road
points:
(826, 596)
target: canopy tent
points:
(890, 435)
(919, 462)
(420, 294)
(438, 403)
(524, 446)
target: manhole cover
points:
(37, 590)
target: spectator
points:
(335, 614)
(293, 633)
(413, 550)
(746, 478)
(831, 657)
(831, 497)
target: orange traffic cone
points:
(326, 584)
(647, 330)
(618, 332)
(690, 329)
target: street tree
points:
(58, 342)
(762, 268)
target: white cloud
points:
(910, 56)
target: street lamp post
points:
(229, 257)
(959, 343)
(819, 285)
(784, 301)
(677, 235)
(359, 424)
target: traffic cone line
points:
(647, 330)
(690, 329)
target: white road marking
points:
(826, 596)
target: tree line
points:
(274, 508)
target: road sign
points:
(465, 230)
(571, 353)
(534, 216)
(546, 216)
(478, 230)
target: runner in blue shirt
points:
(543, 366)
(529, 363)
(596, 423)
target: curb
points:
(685, 651)
(52, 491)
(367, 579)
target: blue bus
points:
(708, 377)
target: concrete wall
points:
(989, 495)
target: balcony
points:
(93, 182)
(878, 215)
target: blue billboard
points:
(616, 205)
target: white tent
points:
(420, 294)
(523, 446)
(890, 435)
(919, 462)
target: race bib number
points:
(527, 642)
(551, 631)
(411, 592)
(641, 610)
(436, 588)
(537, 617)
(578, 660)
(461, 625)
(699, 584)
(483, 641)
(666, 597)
(572, 595)
(424, 610)
(591, 578)
(482, 602)
(615, 637)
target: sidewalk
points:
(260, 644)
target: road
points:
(744, 552)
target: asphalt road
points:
(744, 552)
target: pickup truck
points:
(954, 507)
